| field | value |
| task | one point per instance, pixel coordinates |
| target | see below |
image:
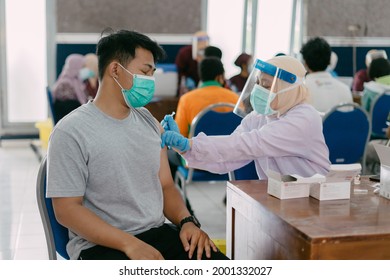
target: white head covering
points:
(296, 95)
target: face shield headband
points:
(264, 83)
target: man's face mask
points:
(142, 91)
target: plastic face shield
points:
(268, 78)
(198, 46)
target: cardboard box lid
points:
(383, 153)
(317, 178)
(342, 172)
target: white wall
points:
(26, 61)
(273, 28)
(225, 27)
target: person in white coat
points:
(325, 90)
(282, 133)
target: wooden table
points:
(260, 226)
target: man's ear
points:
(113, 69)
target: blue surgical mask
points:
(259, 100)
(142, 91)
(86, 73)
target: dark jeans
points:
(165, 239)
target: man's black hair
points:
(210, 68)
(121, 46)
(212, 51)
(378, 68)
(316, 53)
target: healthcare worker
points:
(282, 133)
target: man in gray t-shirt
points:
(107, 174)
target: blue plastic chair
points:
(210, 122)
(51, 105)
(379, 113)
(347, 130)
(247, 172)
(56, 235)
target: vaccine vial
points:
(356, 180)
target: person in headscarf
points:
(237, 82)
(69, 91)
(90, 73)
(283, 133)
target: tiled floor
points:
(21, 231)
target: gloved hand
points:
(169, 124)
(175, 140)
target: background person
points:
(325, 90)
(237, 82)
(332, 65)
(362, 76)
(379, 73)
(187, 61)
(210, 91)
(90, 74)
(69, 91)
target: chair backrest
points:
(56, 235)
(212, 122)
(51, 104)
(247, 172)
(346, 130)
(380, 109)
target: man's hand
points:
(142, 251)
(191, 237)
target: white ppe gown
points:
(291, 144)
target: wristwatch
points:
(191, 219)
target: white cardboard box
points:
(331, 190)
(337, 183)
(286, 186)
(384, 156)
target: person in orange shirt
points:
(210, 91)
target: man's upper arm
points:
(165, 172)
(67, 170)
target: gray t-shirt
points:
(114, 164)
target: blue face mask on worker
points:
(264, 84)
(261, 99)
(86, 73)
(142, 91)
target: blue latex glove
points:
(175, 140)
(169, 124)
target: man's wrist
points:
(190, 219)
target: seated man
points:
(325, 90)
(107, 174)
